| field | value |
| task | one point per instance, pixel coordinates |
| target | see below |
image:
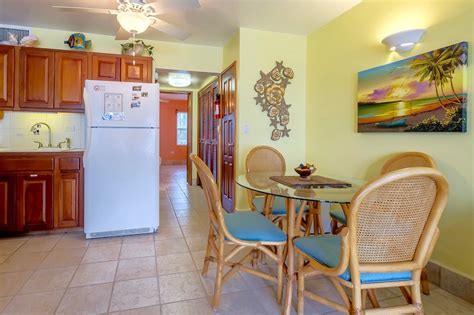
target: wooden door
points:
(208, 138)
(138, 72)
(35, 202)
(7, 58)
(70, 72)
(36, 78)
(68, 199)
(228, 103)
(105, 67)
(7, 203)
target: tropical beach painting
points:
(424, 93)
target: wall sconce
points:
(403, 41)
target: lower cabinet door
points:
(35, 202)
(7, 203)
(68, 200)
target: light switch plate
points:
(245, 129)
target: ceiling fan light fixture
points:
(133, 22)
(177, 79)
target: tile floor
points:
(149, 274)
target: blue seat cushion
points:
(278, 208)
(338, 214)
(252, 226)
(326, 250)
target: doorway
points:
(176, 130)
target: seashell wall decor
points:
(270, 90)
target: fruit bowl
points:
(305, 170)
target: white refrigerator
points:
(121, 158)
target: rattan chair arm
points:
(299, 217)
(343, 258)
(434, 240)
(250, 196)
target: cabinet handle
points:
(33, 175)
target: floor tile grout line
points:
(115, 278)
(66, 289)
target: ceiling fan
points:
(135, 16)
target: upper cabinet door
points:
(105, 68)
(138, 72)
(36, 78)
(7, 56)
(70, 74)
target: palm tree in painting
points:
(427, 68)
(438, 67)
(457, 58)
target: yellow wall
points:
(258, 51)
(351, 43)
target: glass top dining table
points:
(262, 183)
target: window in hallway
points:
(181, 128)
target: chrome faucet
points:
(67, 142)
(35, 129)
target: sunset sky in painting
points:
(397, 82)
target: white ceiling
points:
(213, 24)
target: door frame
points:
(189, 146)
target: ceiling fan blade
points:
(165, 6)
(122, 34)
(85, 10)
(169, 29)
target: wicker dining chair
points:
(392, 230)
(399, 161)
(267, 159)
(241, 229)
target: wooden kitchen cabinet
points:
(68, 200)
(7, 67)
(70, 73)
(35, 202)
(69, 192)
(138, 72)
(41, 191)
(36, 78)
(52, 80)
(105, 67)
(7, 203)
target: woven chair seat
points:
(326, 249)
(338, 214)
(278, 208)
(252, 226)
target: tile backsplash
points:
(15, 129)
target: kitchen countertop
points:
(42, 150)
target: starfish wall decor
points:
(271, 97)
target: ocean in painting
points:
(424, 93)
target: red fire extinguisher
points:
(217, 107)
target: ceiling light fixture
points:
(177, 79)
(133, 22)
(403, 41)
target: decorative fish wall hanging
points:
(78, 41)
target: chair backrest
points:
(394, 218)
(264, 158)
(210, 191)
(408, 159)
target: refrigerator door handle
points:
(88, 131)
